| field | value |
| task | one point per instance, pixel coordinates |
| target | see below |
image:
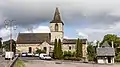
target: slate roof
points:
(105, 50)
(105, 44)
(38, 38)
(73, 41)
(57, 18)
(33, 38)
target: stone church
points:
(29, 42)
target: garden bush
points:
(67, 54)
(117, 59)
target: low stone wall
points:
(12, 62)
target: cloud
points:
(27, 12)
(82, 35)
(98, 34)
(40, 29)
(66, 37)
(95, 16)
(5, 33)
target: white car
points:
(24, 54)
(45, 56)
(36, 55)
(29, 54)
(17, 54)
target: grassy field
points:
(19, 63)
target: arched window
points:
(30, 49)
(56, 27)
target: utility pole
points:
(10, 26)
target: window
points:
(30, 49)
(69, 47)
(45, 48)
(56, 27)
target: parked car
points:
(36, 54)
(44, 56)
(9, 55)
(17, 54)
(24, 54)
(30, 54)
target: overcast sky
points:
(90, 19)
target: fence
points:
(12, 62)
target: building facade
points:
(29, 42)
(105, 54)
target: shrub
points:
(73, 54)
(43, 51)
(38, 51)
(67, 54)
(117, 59)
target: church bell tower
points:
(56, 27)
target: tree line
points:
(109, 38)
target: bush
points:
(67, 54)
(38, 51)
(73, 54)
(43, 51)
(117, 59)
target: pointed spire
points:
(57, 14)
(57, 18)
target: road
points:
(3, 62)
(29, 62)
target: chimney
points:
(112, 45)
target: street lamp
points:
(10, 26)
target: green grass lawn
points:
(19, 63)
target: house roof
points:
(33, 38)
(108, 51)
(105, 50)
(73, 41)
(105, 44)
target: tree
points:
(91, 52)
(55, 49)
(117, 58)
(38, 51)
(60, 53)
(0, 42)
(7, 45)
(81, 53)
(111, 37)
(79, 48)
